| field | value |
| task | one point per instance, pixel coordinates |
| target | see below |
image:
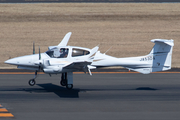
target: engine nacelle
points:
(53, 69)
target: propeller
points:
(39, 53)
(39, 62)
(33, 48)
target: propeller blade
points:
(33, 48)
(39, 54)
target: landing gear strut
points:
(67, 80)
(63, 81)
(32, 82)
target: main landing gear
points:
(32, 82)
(67, 80)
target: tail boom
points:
(159, 59)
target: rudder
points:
(162, 54)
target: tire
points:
(63, 82)
(69, 86)
(32, 82)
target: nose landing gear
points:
(32, 82)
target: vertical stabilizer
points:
(162, 54)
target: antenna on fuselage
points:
(108, 50)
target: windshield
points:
(58, 53)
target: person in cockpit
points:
(63, 53)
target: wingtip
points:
(65, 39)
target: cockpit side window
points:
(79, 52)
(63, 53)
(58, 53)
(50, 53)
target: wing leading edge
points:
(64, 41)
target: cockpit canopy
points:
(58, 53)
(65, 52)
(79, 52)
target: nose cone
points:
(24, 60)
(13, 61)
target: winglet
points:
(65, 39)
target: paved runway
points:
(87, 1)
(130, 96)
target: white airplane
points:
(65, 60)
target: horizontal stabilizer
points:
(162, 46)
(168, 42)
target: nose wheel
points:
(32, 82)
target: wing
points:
(81, 66)
(65, 39)
(77, 65)
(64, 42)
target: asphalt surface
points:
(90, 1)
(108, 69)
(129, 96)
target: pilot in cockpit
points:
(63, 53)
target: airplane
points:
(65, 60)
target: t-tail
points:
(159, 59)
(162, 54)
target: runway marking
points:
(4, 113)
(81, 72)
(3, 110)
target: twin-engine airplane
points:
(65, 60)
